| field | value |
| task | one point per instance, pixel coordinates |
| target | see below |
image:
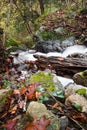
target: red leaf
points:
(40, 124)
(10, 124)
(31, 91)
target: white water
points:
(74, 49)
(65, 81)
(28, 56)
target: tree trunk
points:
(84, 4)
(62, 66)
(41, 6)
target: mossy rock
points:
(81, 78)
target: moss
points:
(83, 74)
(48, 35)
(44, 79)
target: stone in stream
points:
(68, 42)
(54, 45)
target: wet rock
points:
(39, 110)
(77, 99)
(64, 122)
(57, 82)
(57, 46)
(81, 78)
(68, 42)
(48, 46)
(54, 45)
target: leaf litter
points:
(16, 104)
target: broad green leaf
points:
(59, 94)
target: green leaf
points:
(59, 94)
(39, 89)
(77, 106)
(81, 91)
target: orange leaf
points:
(55, 105)
(13, 110)
(16, 91)
(23, 90)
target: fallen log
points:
(62, 66)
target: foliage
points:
(12, 42)
(77, 106)
(48, 35)
(20, 18)
(28, 41)
(6, 83)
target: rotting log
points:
(62, 66)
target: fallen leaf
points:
(31, 91)
(55, 105)
(10, 124)
(40, 124)
(13, 110)
(16, 91)
(23, 90)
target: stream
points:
(28, 56)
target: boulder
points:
(39, 109)
(68, 42)
(46, 46)
(78, 100)
(57, 46)
(72, 88)
(81, 78)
